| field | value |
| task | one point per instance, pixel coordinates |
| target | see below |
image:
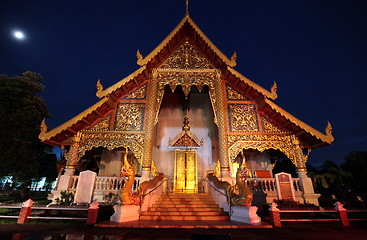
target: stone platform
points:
(182, 224)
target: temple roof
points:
(185, 31)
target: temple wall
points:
(110, 163)
(170, 124)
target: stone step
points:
(183, 213)
(186, 218)
(165, 201)
(186, 209)
(198, 205)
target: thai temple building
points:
(185, 112)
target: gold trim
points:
(151, 55)
(120, 83)
(327, 138)
(272, 95)
(48, 135)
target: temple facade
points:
(186, 111)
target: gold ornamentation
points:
(129, 117)
(99, 89)
(325, 138)
(140, 58)
(273, 90)
(269, 127)
(233, 94)
(263, 142)
(140, 93)
(186, 57)
(243, 118)
(239, 194)
(112, 140)
(186, 138)
(329, 130)
(185, 78)
(127, 197)
(72, 157)
(44, 129)
(234, 57)
(103, 125)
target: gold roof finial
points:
(187, 8)
(186, 123)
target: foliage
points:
(356, 164)
(23, 156)
(66, 198)
(110, 198)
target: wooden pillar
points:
(150, 122)
(72, 158)
(222, 128)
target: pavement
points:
(291, 231)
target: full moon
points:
(18, 35)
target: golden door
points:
(186, 171)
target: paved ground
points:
(291, 231)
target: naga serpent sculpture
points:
(239, 194)
(127, 197)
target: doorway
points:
(186, 173)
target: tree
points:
(21, 113)
(356, 164)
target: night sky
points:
(316, 51)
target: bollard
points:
(25, 211)
(92, 213)
(275, 215)
(342, 214)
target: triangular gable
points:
(186, 139)
(186, 57)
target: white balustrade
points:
(112, 184)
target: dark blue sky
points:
(316, 51)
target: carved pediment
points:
(186, 139)
(186, 57)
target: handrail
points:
(230, 205)
(143, 196)
(214, 187)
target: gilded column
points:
(151, 114)
(308, 193)
(222, 129)
(72, 158)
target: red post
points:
(92, 213)
(275, 215)
(25, 211)
(342, 214)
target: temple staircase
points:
(185, 207)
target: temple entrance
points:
(186, 172)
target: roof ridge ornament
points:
(99, 87)
(44, 129)
(329, 131)
(187, 8)
(140, 58)
(273, 90)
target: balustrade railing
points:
(113, 184)
(116, 183)
(268, 184)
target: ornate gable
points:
(186, 57)
(103, 125)
(138, 94)
(233, 94)
(186, 139)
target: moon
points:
(19, 35)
